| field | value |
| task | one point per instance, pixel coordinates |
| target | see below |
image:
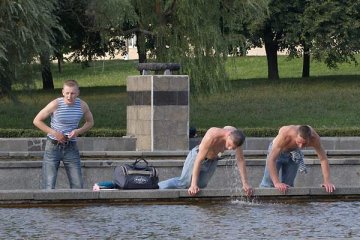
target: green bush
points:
(106, 133)
(272, 132)
(19, 133)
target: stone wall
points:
(27, 174)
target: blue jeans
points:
(287, 166)
(53, 155)
(207, 170)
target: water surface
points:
(216, 220)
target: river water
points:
(213, 220)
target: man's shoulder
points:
(229, 128)
(288, 129)
(213, 130)
(54, 103)
(212, 134)
(218, 130)
(286, 134)
(284, 130)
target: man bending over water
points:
(285, 154)
(201, 162)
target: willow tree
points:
(26, 28)
(187, 32)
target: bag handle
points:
(137, 164)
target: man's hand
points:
(282, 187)
(329, 187)
(60, 137)
(73, 134)
(248, 190)
(193, 190)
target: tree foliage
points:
(198, 34)
(327, 30)
(26, 29)
(86, 43)
(195, 34)
(332, 29)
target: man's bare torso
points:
(216, 141)
(217, 148)
(286, 139)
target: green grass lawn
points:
(329, 99)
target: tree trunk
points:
(46, 74)
(271, 48)
(141, 49)
(60, 59)
(140, 43)
(5, 86)
(306, 62)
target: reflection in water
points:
(227, 220)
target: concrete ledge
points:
(128, 143)
(139, 194)
(249, 154)
(73, 197)
(16, 195)
(168, 163)
(63, 194)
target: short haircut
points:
(304, 132)
(71, 83)
(238, 137)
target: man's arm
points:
(271, 164)
(194, 189)
(325, 168)
(89, 121)
(240, 160)
(203, 150)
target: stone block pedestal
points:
(158, 112)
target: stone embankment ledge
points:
(21, 161)
(128, 143)
(26, 174)
(82, 197)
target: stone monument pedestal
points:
(158, 112)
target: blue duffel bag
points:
(139, 175)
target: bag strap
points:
(137, 164)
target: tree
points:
(84, 43)
(46, 73)
(26, 30)
(333, 30)
(327, 30)
(237, 21)
(272, 32)
(188, 32)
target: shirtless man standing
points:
(201, 162)
(285, 154)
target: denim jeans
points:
(207, 170)
(287, 166)
(54, 154)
